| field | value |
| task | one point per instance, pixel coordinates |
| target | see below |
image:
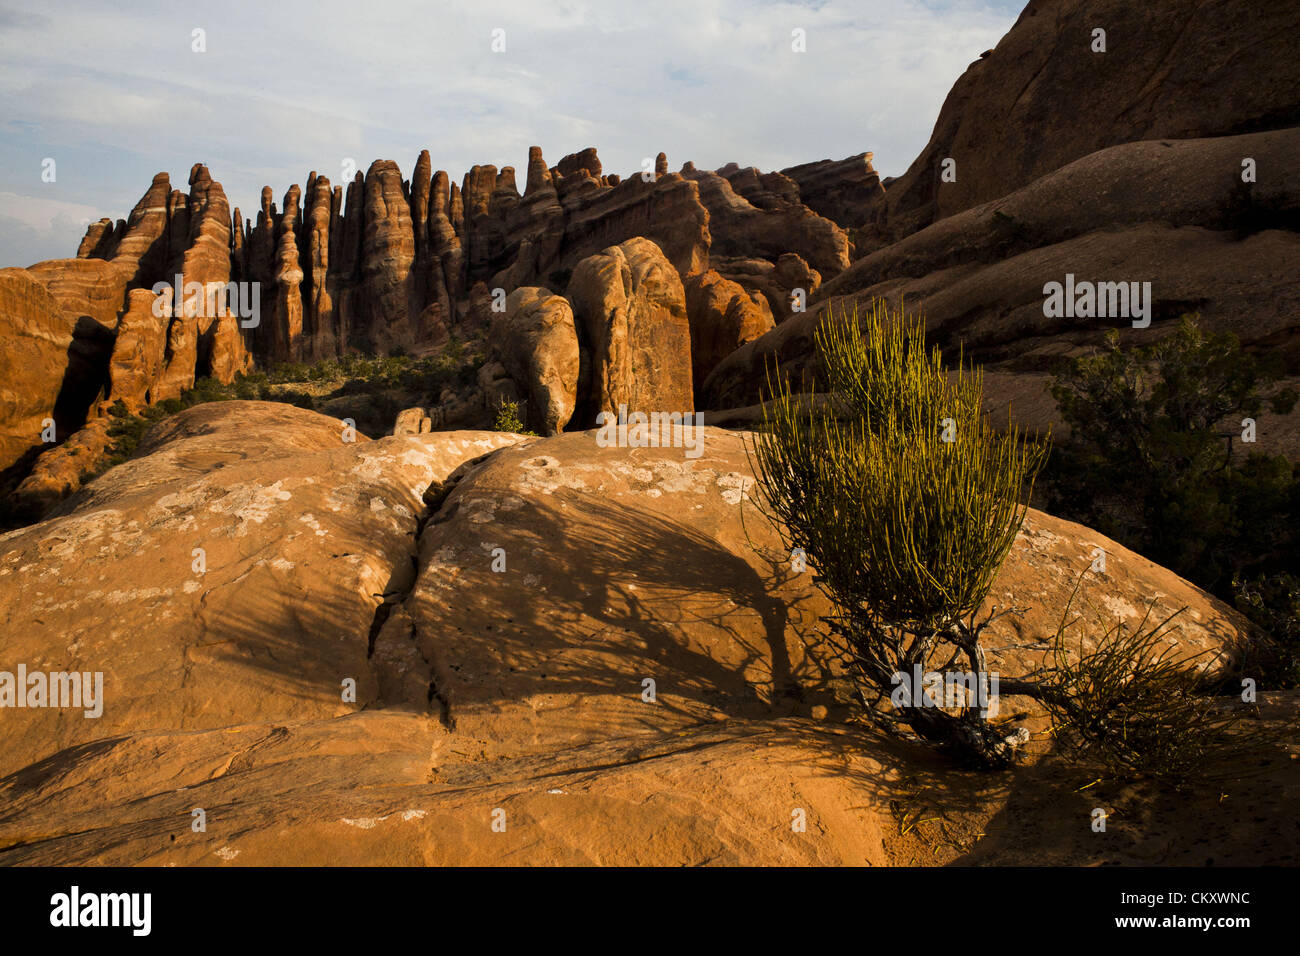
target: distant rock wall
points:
(382, 263)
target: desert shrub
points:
(1131, 706)
(1150, 457)
(249, 388)
(284, 372)
(125, 430)
(359, 375)
(1272, 602)
(506, 418)
(906, 502)
(1154, 460)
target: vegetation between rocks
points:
(1161, 457)
(906, 501)
(507, 418)
(370, 390)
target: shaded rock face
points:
(630, 309)
(1173, 213)
(723, 317)
(740, 228)
(538, 346)
(844, 191)
(764, 190)
(1170, 71)
(499, 624)
(779, 282)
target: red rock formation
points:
(764, 190)
(844, 191)
(387, 255)
(584, 164)
(99, 242)
(36, 338)
(739, 228)
(287, 313)
(776, 281)
(1172, 71)
(207, 260)
(139, 352)
(723, 317)
(382, 263)
(630, 308)
(319, 333)
(667, 211)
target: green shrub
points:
(1154, 460)
(1150, 459)
(506, 418)
(1272, 602)
(905, 501)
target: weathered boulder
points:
(723, 317)
(412, 421)
(537, 343)
(63, 469)
(630, 309)
(517, 655)
(36, 337)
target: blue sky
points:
(115, 93)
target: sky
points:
(113, 93)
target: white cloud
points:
(41, 214)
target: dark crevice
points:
(435, 693)
(377, 625)
(85, 377)
(434, 498)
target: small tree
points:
(1156, 459)
(907, 501)
(1154, 455)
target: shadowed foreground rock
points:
(500, 604)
